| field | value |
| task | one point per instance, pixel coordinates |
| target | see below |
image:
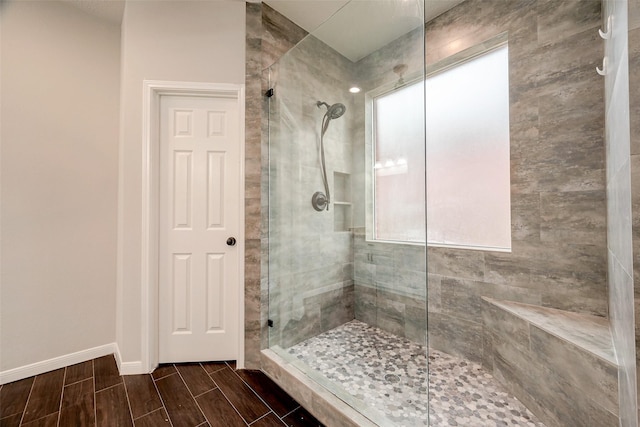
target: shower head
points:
(336, 110)
(333, 111)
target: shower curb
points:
(322, 404)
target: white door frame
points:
(152, 91)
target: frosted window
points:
(399, 165)
(467, 151)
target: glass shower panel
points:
(468, 153)
(310, 263)
(347, 310)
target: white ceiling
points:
(109, 10)
(361, 26)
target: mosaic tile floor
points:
(388, 373)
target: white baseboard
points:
(37, 368)
(131, 368)
(128, 368)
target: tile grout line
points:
(215, 386)
(126, 393)
(162, 377)
(213, 389)
(226, 398)
(191, 393)
(107, 388)
(64, 379)
(24, 411)
(265, 415)
(290, 412)
(95, 394)
(49, 414)
(79, 381)
(207, 422)
(209, 373)
(160, 396)
(257, 394)
(150, 412)
(165, 376)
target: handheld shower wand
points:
(320, 201)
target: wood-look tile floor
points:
(181, 395)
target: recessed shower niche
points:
(341, 201)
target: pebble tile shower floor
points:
(389, 373)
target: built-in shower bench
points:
(560, 364)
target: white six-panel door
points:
(199, 199)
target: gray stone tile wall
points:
(312, 286)
(253, 194)
(558, 192)
(558, 182)
(269, 36)
(559, 256)
(390, 291)
(558, 175)
(280, 35)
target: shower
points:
(320, 200)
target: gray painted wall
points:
(60, 113)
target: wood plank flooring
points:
(92, 393)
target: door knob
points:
(231, 241)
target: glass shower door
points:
(346, 308)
